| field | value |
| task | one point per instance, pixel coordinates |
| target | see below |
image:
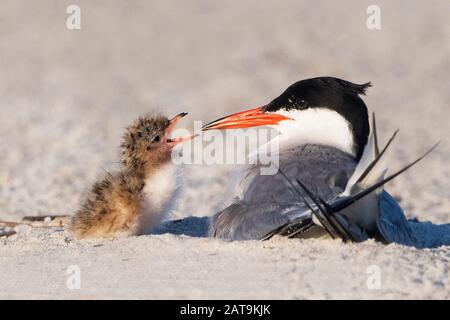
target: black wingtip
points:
(379, 156)
(326, 215)
(352, 199)
(375, 134)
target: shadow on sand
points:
(190, 226)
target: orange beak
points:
(246, 119)
(171, 127)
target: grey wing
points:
(267, 204)
(250, 221)
(325, 170)
(395, 228)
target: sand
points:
(65, 97)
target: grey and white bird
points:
(331, 173)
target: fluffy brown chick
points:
(135, 199)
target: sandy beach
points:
(67, 95)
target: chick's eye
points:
(157, 138)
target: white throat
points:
(315, 126)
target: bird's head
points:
(322, 110)
(148, 141)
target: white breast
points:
(160, 194)
(316, 126)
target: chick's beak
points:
(246, 119)
(172, 141)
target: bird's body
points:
(330, 173)
(319, 144)
(113, 208)
(268, 201)
(135, 199)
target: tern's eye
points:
(301, 103)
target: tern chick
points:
(135, 199)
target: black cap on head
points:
(331, 93)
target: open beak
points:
(246, 119)
(176, 140)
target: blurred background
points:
(66, 95)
